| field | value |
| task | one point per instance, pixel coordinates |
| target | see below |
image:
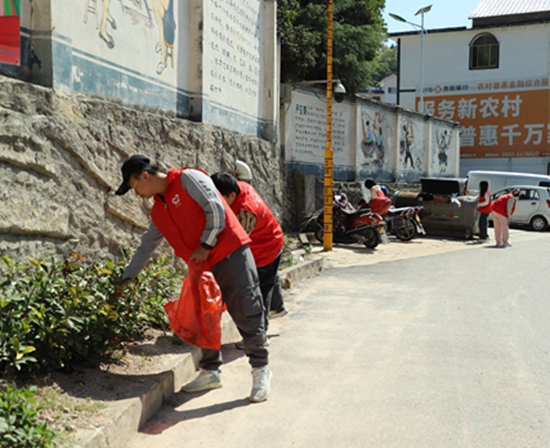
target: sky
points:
(444, 13)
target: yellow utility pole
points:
(329, 155)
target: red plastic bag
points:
(196, 316)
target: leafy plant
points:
(19, 426)
(56, 313)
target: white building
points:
(492, 78)
(385, 91)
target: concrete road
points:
(431, 343)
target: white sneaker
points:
(275, 314)
(207, 379)
(261, 384)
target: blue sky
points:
(444, 13)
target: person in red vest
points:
(265, 232)
(484, 205)
(192, 216)
(503, 207)
(379, 202)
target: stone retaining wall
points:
(60, 161)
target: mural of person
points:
(368, 140)
(443, 144)
(372, 144)
(140, 11)
(106, 17)
(166, 24)
(406, 143)
(90, 6)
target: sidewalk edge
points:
(127, 416)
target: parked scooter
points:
(350, 225)
(403, 222)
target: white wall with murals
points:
(305, 132)
(235, 62)
(376, 139)
(126, 46)
(412, 144)
(370, 139)
(206, 60)
(444, 150)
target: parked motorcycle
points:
(350, 225)
(403, 222)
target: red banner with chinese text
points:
(512, 123)
(10, 40)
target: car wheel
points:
(538, 223)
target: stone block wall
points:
(60, 159)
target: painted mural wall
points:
(369, 139)
(305, 133)
(234, 65)
(206, 60)
(376, 136)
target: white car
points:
(533, 207)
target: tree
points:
(386, 63)
(358, 35)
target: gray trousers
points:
(238, 279)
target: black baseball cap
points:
(134, 165)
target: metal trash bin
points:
(447, 211)
(405, 199)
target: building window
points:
(392, 89)
(484, 52)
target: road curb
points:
(128, 415)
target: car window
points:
(524, 195)
(500, 193)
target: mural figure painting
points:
(443, 142)
(164, 16)
(372, 144)
(90, 6)
(139, 11)
(406, 141)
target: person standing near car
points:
(484, 205)
(191, 215)
(503, 207)
(265, 232)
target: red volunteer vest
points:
(267, 237)
(500, 204)
(182, 220)
(487, 208)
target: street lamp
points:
(420, 12)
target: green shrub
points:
(19, 426)
(56, 313)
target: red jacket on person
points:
(500, 205)
(267, 236)
(379, 202)
(485, 204)
(182, 220)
